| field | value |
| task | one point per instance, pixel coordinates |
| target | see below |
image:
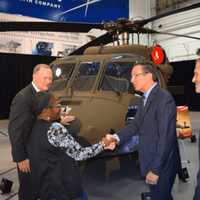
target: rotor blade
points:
(145, 21)
(49, 26)
(151, 31)
(102, 40)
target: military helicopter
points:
(94, 80)
(96, 85)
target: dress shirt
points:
(35, 87)
(147, 93)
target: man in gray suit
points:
(21, 120)
(155, 123)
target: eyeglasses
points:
(136, 75)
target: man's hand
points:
(65, 120)
(152, 178)
(109, 142)
(24, 166)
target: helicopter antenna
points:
(132, 38)
(138, 37)
(118, 43)
(148, 39)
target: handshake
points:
(109, 142)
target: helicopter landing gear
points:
(193, 139)
(146, 196)
(184, 175)
(5, 186)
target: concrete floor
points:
(123, 182)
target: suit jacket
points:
(156, 125)
(21, 121)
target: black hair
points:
(41, 101)
(148, 67)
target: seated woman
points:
(53, 151)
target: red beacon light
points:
(158, 55)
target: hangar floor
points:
(112, 179)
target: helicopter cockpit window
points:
(61, 75)
(117, 77)
(86, 76)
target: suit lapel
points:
(32, 89)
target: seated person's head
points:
(46, 106)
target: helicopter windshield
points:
(117, 77)
(61, 75)
(86, 76)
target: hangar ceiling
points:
(186, 23)
(167, 5)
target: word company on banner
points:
(44, 3)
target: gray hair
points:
(39, 66)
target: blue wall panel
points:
(68, 10)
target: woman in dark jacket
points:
(53, 154)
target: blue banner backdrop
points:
(68, 10)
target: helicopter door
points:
(117, 78)
(86, 76)
(61, 75)
(113, 96)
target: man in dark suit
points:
(155, 122)
(196, 80)
(21, 120)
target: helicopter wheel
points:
(193, 139)
(145, 196)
